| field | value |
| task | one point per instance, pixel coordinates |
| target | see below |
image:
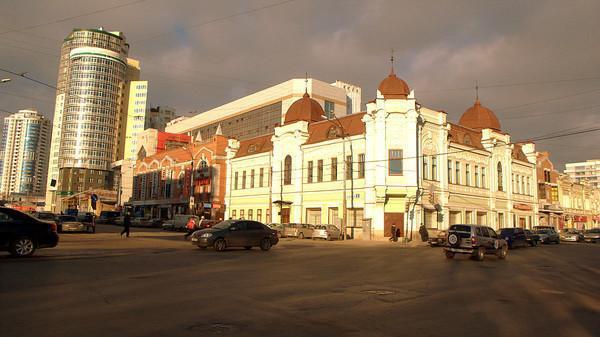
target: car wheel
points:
(480, 254)
(247, 247)
(22, 246)
(265, 244)
(301, 236)
(220, 245)
(449, 254)
(558, 241)
(502, 252)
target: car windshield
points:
(223, 224)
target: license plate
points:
(194, 239)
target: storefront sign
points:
(204, 181)
(207, 205)
(579, 218)
(522, 207)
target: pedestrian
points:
(200, 222)
(126, 224)
(424, 233)
(394, 233)
(191, 227)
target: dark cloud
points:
(194, 63)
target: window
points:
(235, 181)
(329, 108)
(261, 177)
(334, 169)
(425, 167)
(241, 213)
(434, 168)
(468, 174)
(476, 176)
(528, 186)
(457, 169)
(361, 165)
(250, 214)
(243, 179)
(514, 185)
(252, 179)
(349, 171)
(547, 176)
(254, 226)
(233, 213)
(309, 172)
(522, 190)
(483, 182)
(449, 171)
(259, 215)
(500, 185)
(320, 170)
(287, 170)
(500, 220)
(395, 162)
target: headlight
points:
(206, 235)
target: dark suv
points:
(474, 240)
(514, 237)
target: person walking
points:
(191, 227)
(126, 225)
(394, 232)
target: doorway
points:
(285, 215)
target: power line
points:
(71, 17)
(29, 78)
(200, 24)
(514, 84)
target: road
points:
(157, 284)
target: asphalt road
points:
(157, 284)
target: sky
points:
(537, 63)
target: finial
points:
(392, 62)
(476, 90)
(306, 83)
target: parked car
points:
(305, 231)
(571, 235)
(69, 223)
(236, 233)
(592, 235)
(89, 220)
(548, 236)
(327, 232)
(109, 218)
(290, 230)
(277, 227)
(46, 216)
(21, 234)
(179, 222)
(437, 237)
(514, 237)
(474, 240)
(532, 238)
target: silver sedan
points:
(327, 232)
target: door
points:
(237, 236)
(393, 218)
(285, 215)
(254, 233)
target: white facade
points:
(588, 170)
(405, 163)
(24, 153)
(136, 116)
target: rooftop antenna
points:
(392, 61)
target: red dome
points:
(479, 117)
(304, 109)
(394, 87)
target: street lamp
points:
(345, 135)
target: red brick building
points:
(550, 210)
(163, 181)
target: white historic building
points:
(397, 163)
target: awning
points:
(282, 202)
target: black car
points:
(22, 234)
(532, 238)
(236, 233)
(515, 237)
(108, 217)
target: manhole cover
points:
(379, 292)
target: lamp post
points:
(339, 124)
(191, 201)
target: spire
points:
(198, 137)
(219, 131)
(476, 91)
(306, 84)
(392, 62)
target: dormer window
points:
(252, 148)
(467, 140)
(332, 132)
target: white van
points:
(178, 222)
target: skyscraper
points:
(24, 154)
(90, 117)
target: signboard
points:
(207, 205)
(522, 207)
(204, 181)
(579, 218)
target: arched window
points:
(287, 170)
(500, 186)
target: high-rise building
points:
(95, 78)
(24, 154)
(157, 118)
(588, 170)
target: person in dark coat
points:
(394, 232)
(126, 225)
